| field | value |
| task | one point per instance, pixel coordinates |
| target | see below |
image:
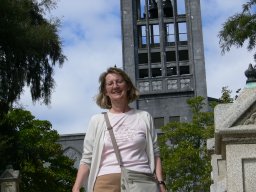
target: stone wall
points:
(234, 146)
(72, 145)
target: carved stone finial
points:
(250, 73)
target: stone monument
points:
(234, 144)
(9, 180)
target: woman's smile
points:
(116, 87)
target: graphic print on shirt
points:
(126, 127)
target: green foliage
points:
(183, 150)
(240, 28)
(29, 49)
(226, 95)
(37, 154)
(8, 136)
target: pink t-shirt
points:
(130, 134)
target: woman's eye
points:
(116, 82)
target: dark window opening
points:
(143, 58)
(153, 10)
(183, 55)
(155, 57)
(174, 119)
(143, 73)
(156, 72)
(159, 122)
(171, 71)
(170, 56)
(167, 7)
(184, 70)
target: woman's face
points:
(116, 87)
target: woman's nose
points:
(115, 84)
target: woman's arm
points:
(159, 173)
(82, 176)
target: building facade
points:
(72, 145)
(163, 53)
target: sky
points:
(91, 35)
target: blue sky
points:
(91, 35)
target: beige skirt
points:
(108, 183)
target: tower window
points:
(154, 35)
(159, 122)
(155, 57)
(184, 70)
(167, 7)
(170, 56)
(174, 119)
(143, 73)
(183, 55)
(170, 37)
(152, 9)
(143, 58)
(142, 36)
(181, 7)
(156, 72)
(171, 71)
(183, 36)
(141, 9)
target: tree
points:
(240, 28)
(29, 49)
(183, 150)
(226, 95)
(37, 154)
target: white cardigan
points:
(94, 142)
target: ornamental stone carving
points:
(172, 84)
(144, 86)
(156, 85)
(251, 120)
(185, 83)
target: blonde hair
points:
(103, 100)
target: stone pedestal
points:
(234, 145)
(9, 180)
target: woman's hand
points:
(162, 188)
(82, 175)
(159, 174)
(75, 189)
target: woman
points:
(99, 166)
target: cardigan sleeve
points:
(153, 134)
(89, 142)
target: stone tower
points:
(163, 53)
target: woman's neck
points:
(119, 108)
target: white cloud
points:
(228, 69)
(91, 33)
(92, 42)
